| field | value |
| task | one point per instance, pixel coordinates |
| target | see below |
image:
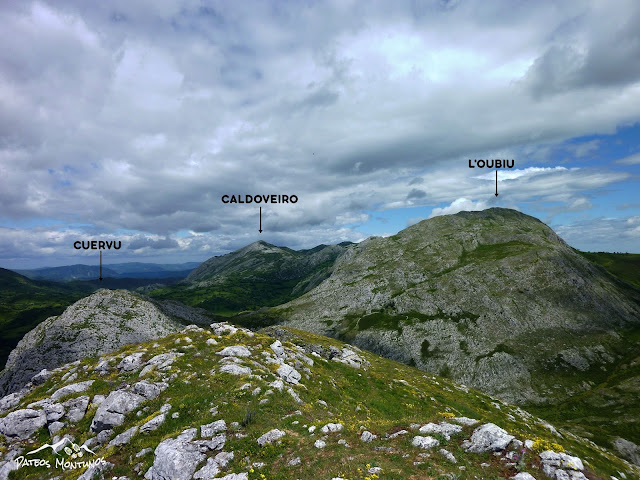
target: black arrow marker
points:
(496, 183)
(100, 266)
(260, 220)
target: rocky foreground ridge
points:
(225, 402)
(100, 323)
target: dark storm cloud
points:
(594, 52)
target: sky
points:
(129, 120)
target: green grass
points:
(625, 266)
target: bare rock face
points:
(21, 424)
(97, 324)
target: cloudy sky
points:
(129, 120)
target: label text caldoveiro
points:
(259, 198)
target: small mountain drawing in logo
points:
(67, 446)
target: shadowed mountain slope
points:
(255, 276)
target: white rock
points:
(124, 438)
(320, 444)
(70, 389)
(277, 348)
(210, 429)
(270, 437)
(235, 351)
(153, 424)
(210, 470)
(235, 476)
(367, 437)
(488, 438)
(112, 410)
(445, 429)
(523, 476)
(77, 407)
(397, 434)
(55, 427)
(21, 424)
(175, 459)
(332, 427)
(465, 421)
(562, 460)
(234, 369)
(277, 384)
(288, 374)
(131, 362)
(424, 442)
(448, 455)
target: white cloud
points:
(140, 115)
(459, 205)
(630, 160)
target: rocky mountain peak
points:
(488, 298)
(99, 323)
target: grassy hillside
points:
(625, 266)
(387, 399)
(259, 275)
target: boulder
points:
(210, 429)
(628, 450)
(367, 437)
(175, 459)
(288, 374)
(332, 427)
(21, 424)
(560, 460)
(445, 429)
(488, 438)
(53, 412)
(523, 476)
(131, 362)
(424, 442)
(149, 390)
(234, 369)
(124, 438)
(235, 351)
(153, 424)
(77, 407)
(448, 455)
(41, 377)
(210, 470)
(70, 389)
(113, 409)
(277, 348)
(270, 437)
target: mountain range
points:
(115, 270)
(258, 275)
(494, 300)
